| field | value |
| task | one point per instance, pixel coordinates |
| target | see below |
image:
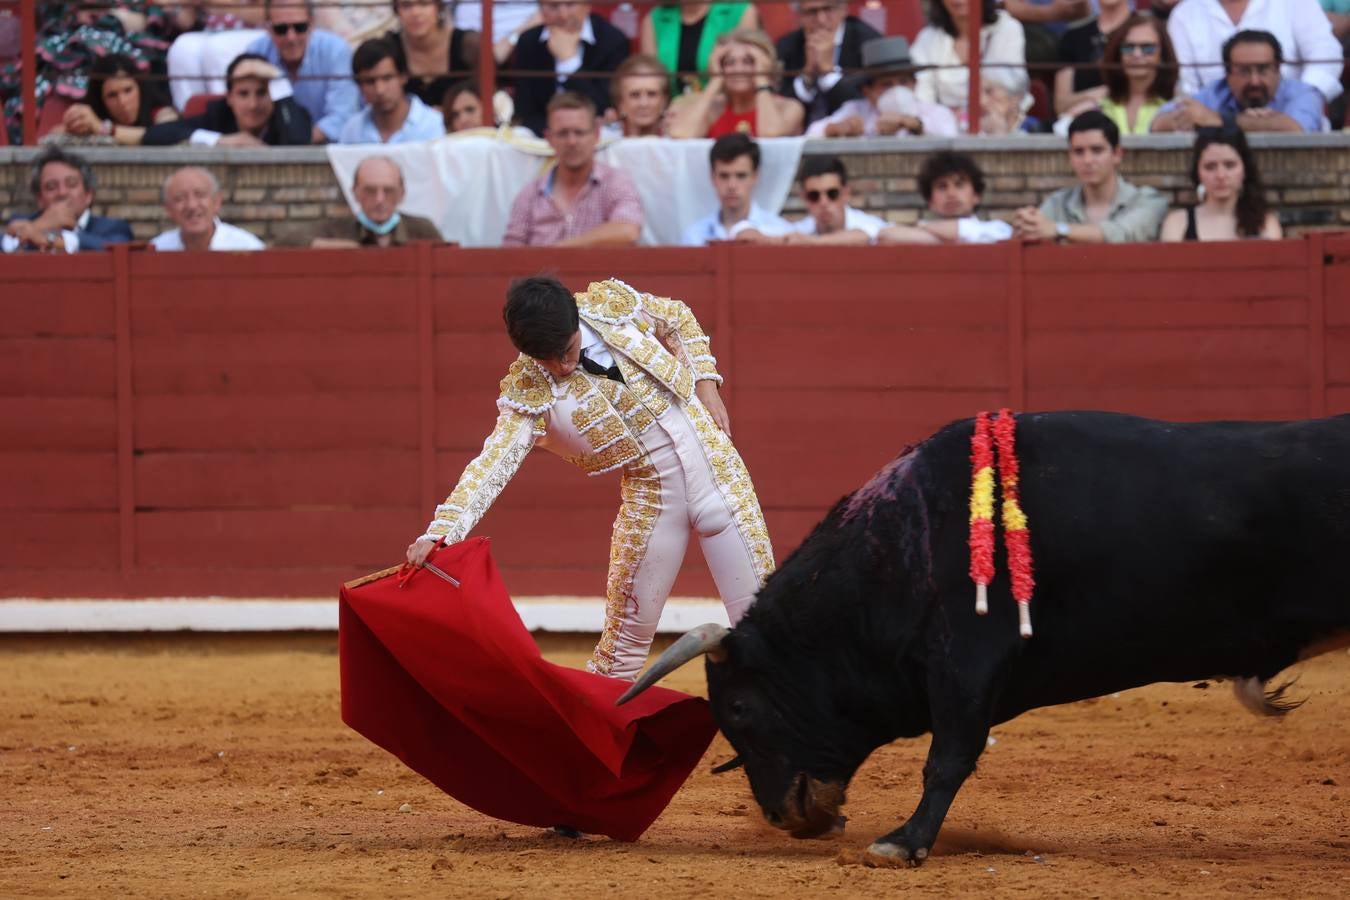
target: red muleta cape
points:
(449, 680)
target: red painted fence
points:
(271, 424)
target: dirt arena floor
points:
(218, 766)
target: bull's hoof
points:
(883, 855)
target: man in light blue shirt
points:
(1252, 94)
(317, 62)
(734, 160)
(391, 115)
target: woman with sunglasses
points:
(739, 96)
(1140, 69)
(118, 103)
(435, 52)
(1231, 199)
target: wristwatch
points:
(1061, 231)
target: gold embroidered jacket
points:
(592, 422)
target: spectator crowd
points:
(290, 72)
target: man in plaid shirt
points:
(579, 202)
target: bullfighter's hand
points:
(712, 401)
(419, 550)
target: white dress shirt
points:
(854, 220)
(1198, 29)
(826, 80)
(1002, 42)
(225, 237)
(596, 350)
(710, 228)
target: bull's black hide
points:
(1163, 552)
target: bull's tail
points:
(1253, 694)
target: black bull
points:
(1163, 552)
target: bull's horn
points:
(705, 638)
(734, 763)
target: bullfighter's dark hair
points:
(541, 316)
(1252, 36)
(372, 52)
(731, 147)
(815, 166)
(1095, 120)
(949, 162)
(54, 154)
(938, 15)
(1251, 204)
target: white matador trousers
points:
(682, 485)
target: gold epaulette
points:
(526, 387)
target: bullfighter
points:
(617, 379)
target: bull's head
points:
(795, 771)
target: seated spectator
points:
(943, 42)
(829, 43)
(1103, 207)
(734, 164)
(640, 91)
(1079, 83)
(509, 22)
(888, 104)
(571, 39)
(1005, 101)
(118, 104)
(682, 36)
(63, 186)
(461, 107)
(1045, 22)
(739, 96)
(246, 117)
(1253, 95)
(192, 200)
(377, 185)
(435, 53)
(578, 202)
(1140, 71)
(214, 34)
(391, 116)
(1308, 49)
(317, 63)
(1231, 199)
(951, 184)
(830, 219)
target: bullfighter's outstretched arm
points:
(484, 478)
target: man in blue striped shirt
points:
(317, 62)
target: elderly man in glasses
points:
(1252, 94)
(826, 46)
(317, 62)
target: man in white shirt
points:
(951, 184)
(830, 220)
(192, 201)
(1199, 28)
(734, 161)
(391, 116)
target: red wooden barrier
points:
(271, 424)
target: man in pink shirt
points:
(579, 202)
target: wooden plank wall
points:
(271, 424)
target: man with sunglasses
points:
(830, 219)
(1252, 95)
(317, 62)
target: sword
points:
(441, 573)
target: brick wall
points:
(1307, 177)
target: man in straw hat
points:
(887, 105)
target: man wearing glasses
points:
(1252, 95)
(317, 62)
(830, 219)
(828, 44)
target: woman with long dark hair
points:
(118, 103)
(1139, 67)
(941, 48)
(1231, 201)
